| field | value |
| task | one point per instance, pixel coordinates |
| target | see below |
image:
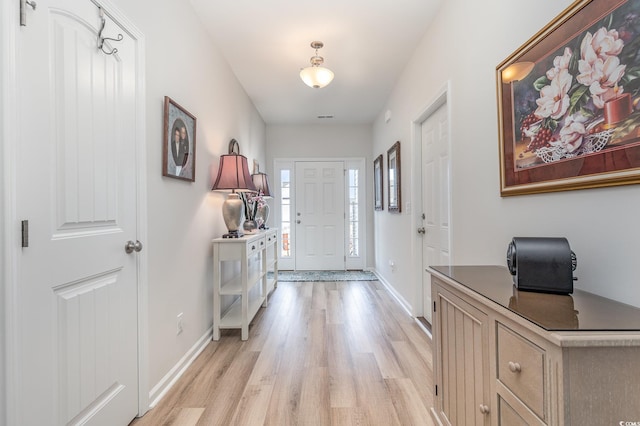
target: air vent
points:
(325, 116)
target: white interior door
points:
(76, 185)
(435, 198)
(320, 215)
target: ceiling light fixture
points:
(316, 76)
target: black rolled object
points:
(542, 264)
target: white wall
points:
(184, 64)
(325, 141)
(463, 46)
(320, 140)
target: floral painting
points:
(574, 114)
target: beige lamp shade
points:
(261, 183)
(233, 174)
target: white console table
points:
(253, 256)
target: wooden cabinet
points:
(253, 264)
(504, 357)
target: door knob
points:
(422, 230)
(130, 247)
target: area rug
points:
(326, 276)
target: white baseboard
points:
(401, 300)
(163, 386)
(425, 329)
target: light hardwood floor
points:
(322, 353)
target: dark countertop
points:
(581, 310)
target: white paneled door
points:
(435, 198)
(77, 348)
(320, 215)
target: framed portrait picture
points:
(179, 142)
(568, 102)
(378, 197)
(393, 178)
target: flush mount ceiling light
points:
(316, 76)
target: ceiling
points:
(367, 43)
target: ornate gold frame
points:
(617, 162)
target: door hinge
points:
(434, 306)
(25, 233)
(436, 390)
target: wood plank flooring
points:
(322, 353)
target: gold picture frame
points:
(568, 113)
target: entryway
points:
(319, 208)
(320, 214)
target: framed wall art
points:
(569, 102)
(393, 178)
(378, 197)
(179, 142)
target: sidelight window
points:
(285, 208)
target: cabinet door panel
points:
(463, 357)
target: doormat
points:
(326, 276)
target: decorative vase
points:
(617, 109)
(233, 214)
(262, 215)
(250, 227)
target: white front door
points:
(435, 198)
(77, 295)
(319, 215)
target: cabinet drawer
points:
(507, 416)
(255, 246)
(521, 369)
(271, 239)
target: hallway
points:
(322, 353)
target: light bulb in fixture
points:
(516, 71)
(316, 76)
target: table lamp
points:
(233, 174)
(262, 185)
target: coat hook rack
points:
(101, 39)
